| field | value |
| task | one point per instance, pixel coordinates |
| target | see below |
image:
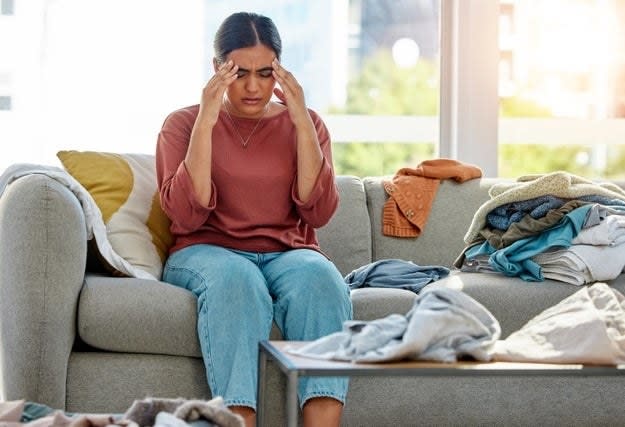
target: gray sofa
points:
(81, 341)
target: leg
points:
(311, 300)
(322, 412)
(234, 313)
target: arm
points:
(324, 196)
(315, 194)
(43, 250)
(184, 159)
(309, 156)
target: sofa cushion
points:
(137, 316)
(376, 303)
(145, 316)
(346, 239)
(442, 238)
(124, 188)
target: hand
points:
(291, 93)
(213, 92)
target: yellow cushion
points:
(124, 189)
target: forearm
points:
(198, 160)
(309, 159)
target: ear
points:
(215, 64)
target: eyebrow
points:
(245, 70)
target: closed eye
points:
(263, 72)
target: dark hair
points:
(246, 29)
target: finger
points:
(279, 94)
(279, 71)
(226, 65)
(285, 78)
(286, 86)
(226, 74)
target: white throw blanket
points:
(96, 228)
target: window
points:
(369, 67)
(562, 87)
(390, 115)
(514, 86)
(6, 7)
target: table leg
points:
(291, 398)
(262, 375)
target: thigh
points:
(209, 268)
(305, 284)
(302, 268)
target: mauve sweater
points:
(254, 204)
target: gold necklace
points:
(246, 140)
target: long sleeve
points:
(323, 201)
(176, 189)
(253, 205)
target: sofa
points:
(74, 338)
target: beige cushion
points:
(125, 190)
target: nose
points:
(251, 84)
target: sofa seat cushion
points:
(144, 316)
(375, 303)
(137, 316)
(511, 300)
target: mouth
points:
(251, 101)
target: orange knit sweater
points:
(412, 191)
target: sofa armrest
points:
(43, 249)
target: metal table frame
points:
(294, 367)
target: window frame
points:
(466, 128)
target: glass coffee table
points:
(294, 367)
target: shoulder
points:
(280, 109)
(183, 116)
(317, 120)
(280, 114)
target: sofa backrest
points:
(442, 239)
(346, 239)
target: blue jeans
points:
(240, 294)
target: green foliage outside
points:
(374, 159)
(384, 89)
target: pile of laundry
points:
(446, 325)
(155, 412)
(556, 226)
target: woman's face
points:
(253, 88)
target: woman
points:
(245, 182)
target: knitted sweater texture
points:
(412, 192)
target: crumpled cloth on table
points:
(443, 325)
(587, 327)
